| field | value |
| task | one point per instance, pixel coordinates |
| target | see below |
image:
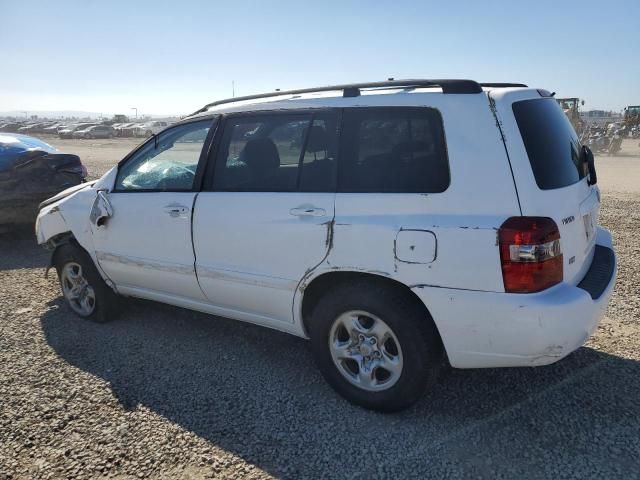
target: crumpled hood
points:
(67, 192)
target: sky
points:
(173, 57)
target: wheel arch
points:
(59, 240)
(311, 293)
(56, 243)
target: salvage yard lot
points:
(168, 393)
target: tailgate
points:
(549, 173)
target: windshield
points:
(552, 145)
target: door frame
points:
(203, 159)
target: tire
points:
(87, 136)
(104, 304)
(418, 351)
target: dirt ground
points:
(168, 393)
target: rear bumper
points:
(485, 329)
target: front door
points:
(266, 217)
(145, 246)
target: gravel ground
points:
(167, 393)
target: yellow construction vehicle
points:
(632, 116)
(571, 108)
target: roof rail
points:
(353, 89)
(503, 85)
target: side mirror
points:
(101, 210)
(589, 161)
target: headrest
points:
(317, 141)
(261, 154)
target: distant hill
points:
(55, 114)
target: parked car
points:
(150, 128)
(68, 131)
(30, 172)
(124, 130)
(41, 126)
(52, 128)
(28, 128)
(133, 130)
(95, 131)
(392, 223)
(10, 126)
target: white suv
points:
(393, 224)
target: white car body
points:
(243, 255)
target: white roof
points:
(335, 98)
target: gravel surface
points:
(167, 393)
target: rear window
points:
(552, 145)
(393, 150)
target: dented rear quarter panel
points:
(464, 218)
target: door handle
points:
(307, 212)
(175, 210)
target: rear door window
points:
(552, 145)
(277, 153)
(393, 150)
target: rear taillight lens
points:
(530, 254)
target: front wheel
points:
(84, 290)
(375, 345)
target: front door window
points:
(168, 162)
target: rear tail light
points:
(530, 254)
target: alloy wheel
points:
(76, 289)
(365, 350)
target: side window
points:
(393, 150)
(167, 162)
(277, 153)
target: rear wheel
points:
(84, 290)
(375, 345)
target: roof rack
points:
(503, 85)
(353, 89)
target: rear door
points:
(265, 217)
(550, 175)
